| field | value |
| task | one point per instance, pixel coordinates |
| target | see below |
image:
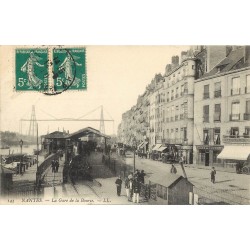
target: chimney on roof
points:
(168, 69)
(183, 55)
(215, 54)
(175, 61)
(247, 53)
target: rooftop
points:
(167, 180)
(235, 60)
(56, 135)
(85, 132)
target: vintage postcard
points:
(132, 125)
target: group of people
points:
(55, 166)
(132, 185)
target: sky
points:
(116, 75)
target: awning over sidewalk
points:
(235, 153)
(156, 147)
(140, 145)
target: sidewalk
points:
(199, 166)
(106, 191)
(29, 175)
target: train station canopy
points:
(234, 152)
(162, 148)
(86, 132)
(156, 147)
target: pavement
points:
(229, 188)
(29, 175)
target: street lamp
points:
(21, 161)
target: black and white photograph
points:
(127, 125)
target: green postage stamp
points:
(69, 69)
(50, 70)
(31, 69)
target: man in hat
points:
(213, 173)
(118, 183)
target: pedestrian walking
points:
(173, 169)
(181, 161)
(213, 173)
(136, 190)
(127, 188)
(118, 183)
(142, 176)
(57, 166)
(130, 189)
(53, 166)
(136, 174)
(130, 176)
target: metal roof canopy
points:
(86, 131)
(162, 148)
(157, 146)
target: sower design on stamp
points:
(31, 69)
(69, 71)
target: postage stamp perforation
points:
(63, 69)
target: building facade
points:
(222, 106)
(198, 105)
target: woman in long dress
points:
(67, 67)
(29, 67)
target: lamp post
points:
(21, 161)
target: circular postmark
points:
(63, 71)
(62, 68)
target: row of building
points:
(199, 105)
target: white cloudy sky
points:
(116, 76)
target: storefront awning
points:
(140, 145)
(161, 148)
(156, 147)
(235, 153)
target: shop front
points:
(207, 154)
(187, 152)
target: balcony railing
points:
(234, 117)
(175, 141)
(236, 139)
(205, 95)
(246, 116)
(217, 93)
